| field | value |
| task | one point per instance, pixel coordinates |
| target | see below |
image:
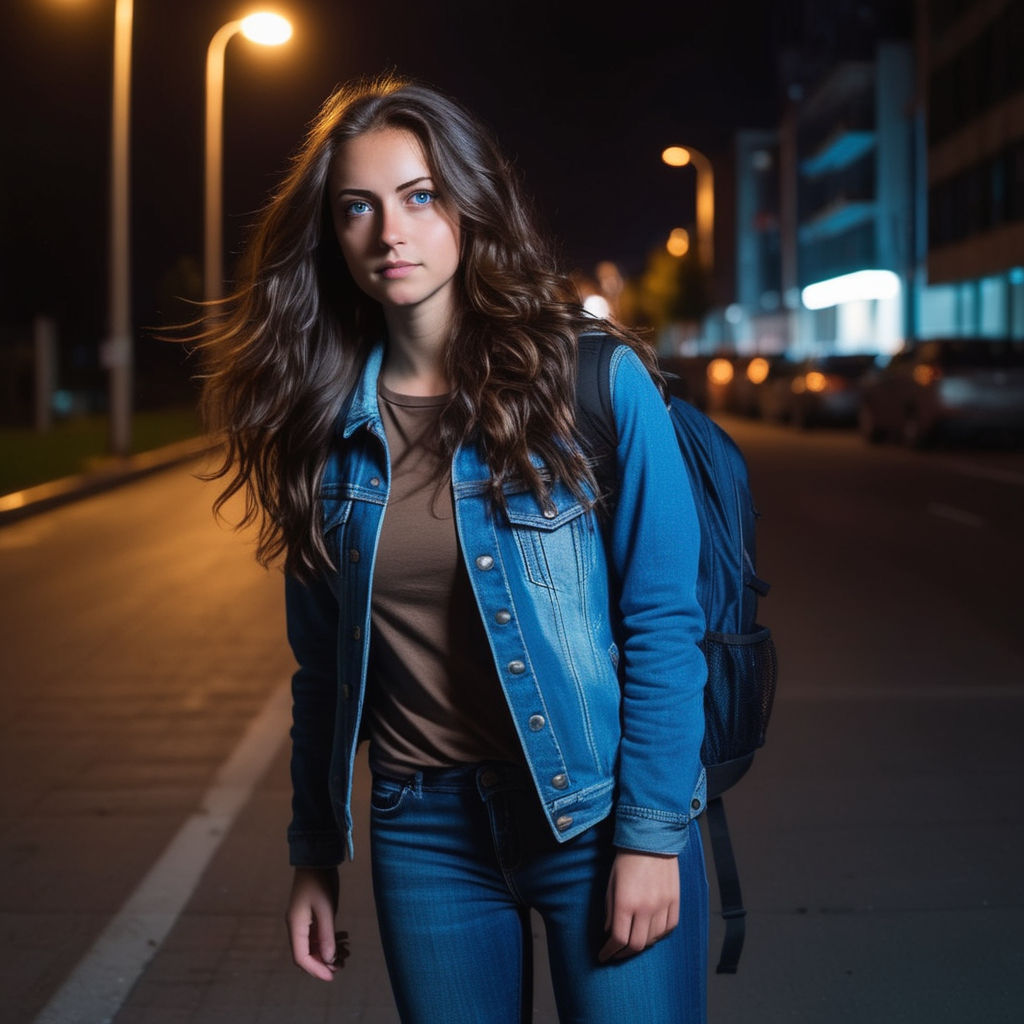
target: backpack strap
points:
(595, 420)
(729, 894)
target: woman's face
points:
(399, 241)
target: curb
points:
(113, 473)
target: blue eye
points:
(357, 208)
(422, 198)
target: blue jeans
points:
(461, 855)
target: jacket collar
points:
(362, 409)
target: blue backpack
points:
(740, 653)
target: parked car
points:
(771, 394)
(952, 388)
(750, 376)
(822, 390)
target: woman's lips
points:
(392, 271)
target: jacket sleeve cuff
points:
(315, 849)
(636, 829)
(648, 830)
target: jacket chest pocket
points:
(553, 542)
(337, 511)
(348, 531)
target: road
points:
(144, 790)
(880, 831)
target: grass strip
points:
(79, 444)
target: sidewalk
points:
(110, 473)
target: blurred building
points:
(971, 75)
(888, 204)
(757, 319)
(828, 213)
(849, 262)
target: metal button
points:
(375, 481)
(488, 778)
(550, 513)
(560, 781)
(516, 667)
(353, 555)
(536, 723)
(484, 562)
(563, 822)
(357, 633)
(346, 691)
(695, 804)
(503, 617)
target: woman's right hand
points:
(311, 908)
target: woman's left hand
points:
(642, 902)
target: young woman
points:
(395, 379)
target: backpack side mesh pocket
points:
(738, 701)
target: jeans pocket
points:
(387, 796)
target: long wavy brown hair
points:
(285, 350)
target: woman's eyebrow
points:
(415, 181)
(368, 194)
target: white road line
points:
(96, 989)
(956, 515)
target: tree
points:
(673, 289)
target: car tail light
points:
(817, 381)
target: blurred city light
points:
(720, 371)
(757, 370)
(597, 305)
(678, 243)
(862, 284)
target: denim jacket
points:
(594, 633)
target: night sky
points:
(584, 103)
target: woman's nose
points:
(391, 233)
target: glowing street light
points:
(680, 156)
(676, 156)
(264, 28)
(678, 243)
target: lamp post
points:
(116, 354)
(268, 30)
(680, 156)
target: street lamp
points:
(680, 156)
(116, 354)
(268, 30)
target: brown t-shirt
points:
(433, 697)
